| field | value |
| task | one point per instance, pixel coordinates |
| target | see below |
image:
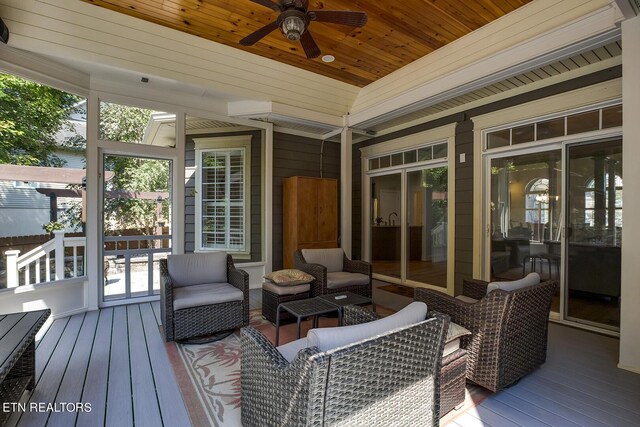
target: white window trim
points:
(223, 143)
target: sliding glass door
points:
(409, 225)
(571, 235)
(594, 227)
(526, 216)
(386, 230)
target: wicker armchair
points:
(201, 295)
(385, 380)
(509, 329)
(336, 273)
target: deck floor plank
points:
(174, 411)
(119, 404)
(146, 412)
(49, 382)
(589, 405)
(48, 343)
(71, 387)
(535, 411)
(156, 311)
(555, 407)
(95, 385)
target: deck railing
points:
(39, 258)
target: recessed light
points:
(328, 58)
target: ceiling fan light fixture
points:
(293, 27)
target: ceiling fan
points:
(294, 20)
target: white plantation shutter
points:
(223, 199)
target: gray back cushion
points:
(197, 269)
(329, 338)
(528, 280)
(330, 258)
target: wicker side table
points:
(273, 295)
(453, 381)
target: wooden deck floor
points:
(579, 385)
(113, 359)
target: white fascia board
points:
(43, 70)
(173, 98)
(275, 110)
(584, 33)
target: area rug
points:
(209, 374)
(405, 291)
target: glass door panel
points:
(386, 230)
(427, 226)
(136, 210)
(594, 227)
(526, 216)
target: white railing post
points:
(58, 246)
(12, 268)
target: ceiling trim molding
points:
(585, 33)
(629, 8)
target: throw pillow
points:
(289, 277)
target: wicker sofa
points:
(509, 328)
(202, 295)
(334, 272)
(387, 379)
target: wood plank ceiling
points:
(398, 31)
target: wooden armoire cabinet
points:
(310, 210)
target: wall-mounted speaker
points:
(4, 32)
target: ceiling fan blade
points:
(269, 4)
(254, 37)
(343, 17)
(309, 45)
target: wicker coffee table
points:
(311, 307)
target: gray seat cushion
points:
(528, 280)
(333, 259)
(196, 269)
(206, 294)
(285, 290)
(329, 338)
(340, 279)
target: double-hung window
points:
(222, 194)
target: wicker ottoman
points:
(273, 294)
(453, 380)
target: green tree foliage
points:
(131, 174)
(30, 116)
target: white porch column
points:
(345, 190)
(93, 252)
(12, 268)
(58, 245)
(630, 292)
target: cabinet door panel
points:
(307, 210)
(327, 210)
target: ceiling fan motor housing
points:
(293, 23)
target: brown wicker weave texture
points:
(371, 383)
(203, 320)
(319, 272)
(509, 329)
(452, 372)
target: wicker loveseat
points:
(334, 272)
(201, 295)
(508, 328)
(388, 379)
